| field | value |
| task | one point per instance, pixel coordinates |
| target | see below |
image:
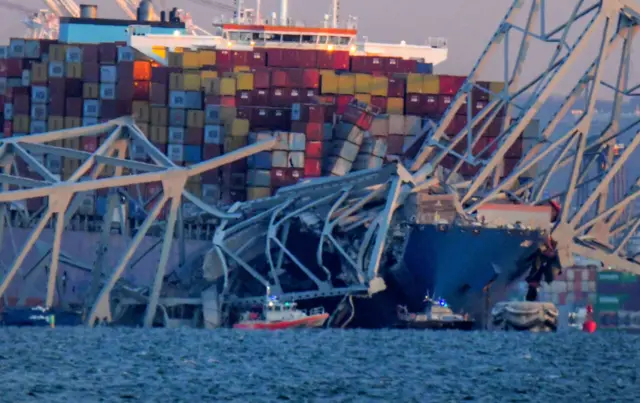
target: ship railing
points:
(316, 311)
(437, 42)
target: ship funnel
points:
(284, 12)
(89, 11)
(145, 11)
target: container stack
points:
(206, 102)
(617, 304)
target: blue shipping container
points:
(193, 100)
(192, 154)
(101, 205)
(425, 68)
(261, 160)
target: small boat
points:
(436, 317)
(277, 315)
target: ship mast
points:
(334, 13)
(284, 11)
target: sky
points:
(466, 24)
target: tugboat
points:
(438, 316)
(277, 315)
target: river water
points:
(111, 365)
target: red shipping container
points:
(290, 58)
(342, 101)
(313, 149)
(90, 53)
(457, 124)
(408, 65)
(89, 143)
(261, 79)
(21, 104)
(125, 71)
(257, 58)
(278, 177)
(13, 67)
(141, 70)
(314, 132)
(307, 58)
(309, 95)
(332, 60)
(243, 98)
(341, 60)
(443, 103)
(260, 97)
(378, 64)
(244, 112)
(239, 58)
(223, 58)
(280, 79)
(158, 94)
(312, 168)
(296, 78)
(361, 64)
(392, 65)
(395, 144)
(74, 107)
(380, 103)
(260, 118)
(228, 101)
(193, 136)
(160, 74)
(124, 91)
(415, 105)
(108, 53)
(275, 58)
(450, 85)
(91, 72)
(396, 87)
(279, 97)
(311, 78)
(141, 90)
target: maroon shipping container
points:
(294, 95)
(89, 144)
(90, 53)
(91, 72)
(260, 118)
(307, 58)
(443, 103)
(278, 177)
(311, 78)
(74, 87)
(478, 94)
(457, 124)
(393, 65)
(495, 128)
(380, 103)
(450, 85)
(361, 64)
(212, 100)
(509, 165)
(478, 106)
(257, 58)
(395, 144)
(415, 105)
(11, 67)
(160, 74)
(260, 97)
(431, 105)
(21, 104)
(74, 107)
(108, 53)
(342, 101)
(332, 60)
(108, 109)
(309, 95)
(211, 151)
(244, 112)
(141, 90)
(193, 136)
(408, 66)
(296, 78)
(223, 58)
(243, 98)
(515, 151)
(279, 97)
(125, 71)
(239, 58)
(275, 58)
(313, 149)
(124, 90)
(158, 94)
(290, 58)
(261, 79)
(280, 79)
(57, 104)
(378, 64)
(396, 87)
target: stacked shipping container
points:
(617, 305)
(208, 102)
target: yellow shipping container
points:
(395, 106)
(72, 143)
(70, 122)
(141, 112)
(158, 134)
(195, 119)
(21, 124)
(227, 113)
(55, 123)
(39, 72)
(379, 86)
(226, 86)
(57, 53)
(238, 69)
(244, 81)
(346, 84)
(190, 59)
(74, 70)
(69, 166)
(192, 81)
(328, 82)
(237, 127)
(160, 51)
(207, 57)
(366, 98)
(159, 116)
(363, 83)
(431, 84)
(144, 128)
(496, 87)
(415, 83)
(234, 143)
(91, 91)
(175, 59)
(258, 193)
(176, 82)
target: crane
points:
(41, 24)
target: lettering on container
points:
(74, 55)
(38, 112)
(39, 94)
(56, 69)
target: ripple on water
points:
(77, 364)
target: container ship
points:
(344, 105)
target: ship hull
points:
(314, 321)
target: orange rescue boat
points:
(277, 315)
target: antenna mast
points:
(334, 13)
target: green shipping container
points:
(609, 302)
(616, 277)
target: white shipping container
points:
(39, 94)
(213, 134)
(558, 286)
(279, 159)
(283, 142)
(296, 159)
(259, 178)
(38, 126)
(211, 193)
(176, 135)
(107, 91)
(571, 274)
(91, 108)
(396, 125)
(345, 150)
(74, 54)
(297, 141)
(350, 133)
(108, 74)
(412, 125)
(8, 111)
(340, 167)
(175, 152)
(39, 112)
(32, 49)
(56, 69)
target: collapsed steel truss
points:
(593, 230)
(368, 199)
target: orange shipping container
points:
(395, 106)
(141, 70)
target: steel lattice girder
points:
(613, 23)
(121, 133)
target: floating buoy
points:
(589, 326)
